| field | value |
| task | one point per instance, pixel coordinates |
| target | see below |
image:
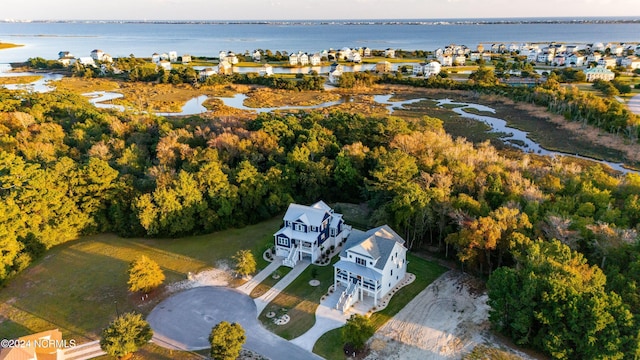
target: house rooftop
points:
(376, 244)
(308, 215)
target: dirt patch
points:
(445, 321)
(219, 276)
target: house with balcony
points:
(599, 73)
(315, 59)
(307, 231)
(371, 264)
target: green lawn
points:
(300, 301)
(76, 285)
(268, 283)
(329, 345)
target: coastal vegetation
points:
(69, 169)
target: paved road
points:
(184, 321)
(634, 104)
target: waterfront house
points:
(383, 67)
(308, 231)
(222, 56)
(231, 58)
(97, 54)
(389, 53)
(335, 73)
(459, 60)
(354, 56)
(366, 52)
(431, 69)
(165, 64)
(315, 59)
(225, 68)
(65, 54)
(155, 58)
(474, 56)
(173, 56)
(559, 60)
(486, 56)
(293, 59)
(67, 60)
(256, 56)
(631, 62)
(303, 59)
(544, 57)
(575, 60)
(594, 57)
(186, 58)
(164, 56)
(86, 61)
(599, 73)
(206, 73)
(418, 69)
(371, 264)
(266, 70)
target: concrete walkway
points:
(634, 104)
(267, 297)
(84, 351)
(248, 287)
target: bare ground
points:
(445, 321)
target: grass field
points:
(19, 79)
(329, 345)
(75, 287)
(300, 301)
(268, 283)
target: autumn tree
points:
(245, 262)
(226, 341)
(125, 335)
(144, 274)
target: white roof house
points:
(293, 59)
(267, 70)
(173, 56)
(599, 73)
(371, 264)
(256, 56)
(431, 69)
(303, 59)
(308, 231)
(315, 59)
(390, 53)
(86, 61)
(97, 54)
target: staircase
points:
(292, 259)
(348, 297)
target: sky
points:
(310, 9)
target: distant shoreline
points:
(425, 22)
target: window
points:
(283, 241)
(391, 272)
(361, 261)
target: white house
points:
(366, 52)
(225, 68)
(308, 231)
(418, 68)
(599, 73)
(206, 72)
(595, 57)
(315, 59)
(155, 58)
(474, 56)
(266, 70)
(390, 53)
(607, 62)
(65, 54)
(87, 61)
(459, 60)
(165, 64)
(293, 59)
(67, 60)
(354, 56)
(445, 60)
(97, 54)
(575, 60)
(631, 62)
(431, 69)
(303, 59)
(222, 56)
(186, 58)
(256, 56)
(371, 264)
(173, 56)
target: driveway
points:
(184, 321)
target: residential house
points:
(354, 57)
(637, 50)
(155, 58)
(293, 59)
(231, 58)
(616, 49)
(335, 72)
(65, 54)
(266, 70)
(631, 62)
(256, 56)
(575, 59)
(371, 264)
(459, 60)
(474, 56)
(107, 58)
(303, 59)
(438, 52)
(594, 57)
(344, 53)
(164, 56)
(225, 68)
(97, 54)
(165, 64)
(46, 345)
(332, 55)
(186, 58)
(418, 69)
(222, 56)
(383, 67)
(206, 73)
(599, 73)
(67, 60)
(513, 48)
(86, 61)
(445, 60)
(486, 56)
(389, 53)
(366, 52)
(315, 59)
(607, 62)
(173, 56)
(559, 60)
(431, 69)
(308, 231)
(544, 57)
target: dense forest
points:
(558, 242)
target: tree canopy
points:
(226, 341)
(125, 335)
(144, 274)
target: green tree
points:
(357, 331)
(226, 341)
(144, 274)
(125, 335)
(245, 262)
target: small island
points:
(4, 45)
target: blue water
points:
(207, 39)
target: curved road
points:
(184, 321)
(634, 104)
